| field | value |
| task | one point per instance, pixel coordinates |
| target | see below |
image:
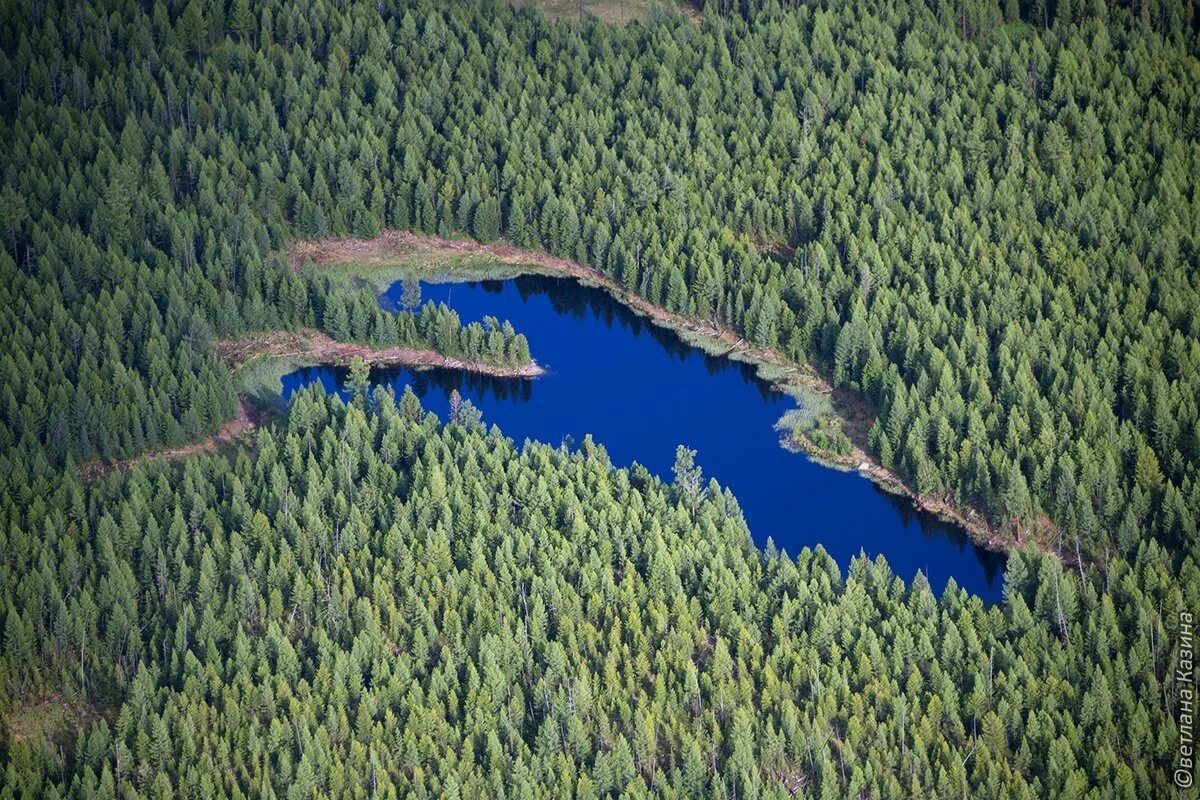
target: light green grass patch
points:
(260, 379)
(432, 267)
(49, 726)
(812, 426)
(611, 11)
(1017, 31)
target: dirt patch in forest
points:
(856, 414)
(238, 428)
(50, 720)
(309, 344)
(614, 12)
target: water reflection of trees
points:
(329, 377)
(933, 529)
(423, 381)
(571, 299)
(468, 384)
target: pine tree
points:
(358, 383)
(485, 222)
(13, 214)
(336, 320)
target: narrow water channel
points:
(640, 391)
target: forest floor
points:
(431, 253)
(311, 345)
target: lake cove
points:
(640, 391)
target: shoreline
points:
(855, 413)
(310, 344)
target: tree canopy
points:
(980, 218)
(373, 603)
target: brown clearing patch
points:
(240, 427)
(312, 345)
(50, 720)
(856, 414)
(611, 11)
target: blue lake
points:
(640, 391)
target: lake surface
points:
(640, 391)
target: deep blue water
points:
(640, 391)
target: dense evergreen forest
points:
(374, 605)
(984, 218)
(994, 240)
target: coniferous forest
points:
(982, 219)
